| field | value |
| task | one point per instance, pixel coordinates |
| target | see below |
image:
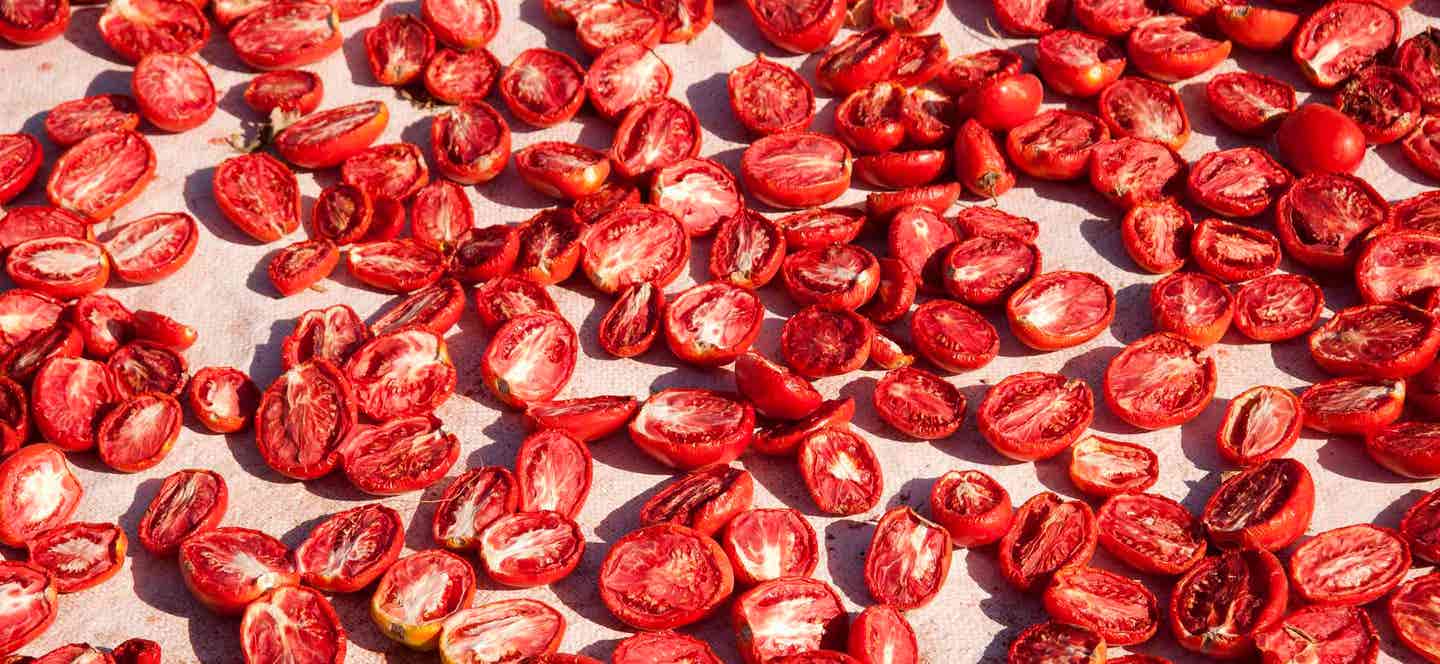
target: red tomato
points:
(439, 214)
(61, 267)
(1030, 19)
(138, 433)
(1319, 139)
(290, 90)
(603, 25)
(768, 97)
(705, 499)
(920, 59)
(1248, 102)
(455, 76)
(144, 366)
(1337, 633)
(972, 506)
(45, 490)
(1005, 100)
(531, 548)
(1152, 534)
(979, 163)
(1055, 145)
(634, 244)
(470, 143)
(1408, 449)
(68, 397)
(787, 616)
(152, 248)
(665, 576)
(351, 549)
(328, 138)
(1278, 307)
(919, 404)
(861, 60)
(1240, 182)
(837, 278)
(881, 635)
(840, 471)
(1131, 171)
(1412, 612)
(654, 134)
(818, 228)
(285, 36)
(29, 23)
(1340, 346)
(1260, 424)
(1048, 535)
(783, 438)
(1033, 415)
(562, 170)
(14, 416)
(683, 20)
(1060, 309)
(588, 418)
(1322, 219)
(963, 75)
(1265, 507)
(871, 119)
(692, 428)
(1382, 101)
(393, 171)
(1254, 27)
(72, 121)
(419, 593)
(32, 222)
(1343, 37)
(908, 560)
(331, 334)
(311, 448)
(435, 309)
(1078, 64)
(35, 604)
(1145, 109)
(880, 206)
(134, 29)
(1355, 406)
(748, 249)
(1349, 566)
(553, 471)
(301, 265)
(294, 623)
(395, 266)
(507, 297)
(817, 342)
(223, 399)
(803, 27)
(1195, 307)
(1156, 234)
(1394, 267)
(483, 254)
(796, 169)
(462, 24)
(701, 193)
(471, 503)
(1417, 58)
(188, 502)
(542, 87)
(1057, 642)
(1222, 602)
(259, 194)
(905, 16)
(100, 174)
(1112, 18)
(1103, 467)
(929, 116)
(893, 296)
(987, 269)
(1419, 212)
(530, 358)
(1232, 252)
(1159, 381)
(953, 336)
(174, 91)
(775, 391)
(1422, 146)
(630, 326)
(1120, 609)
(767, 544)
(1172, 48)
(401, 455)
(1421, 527)
(228, 568)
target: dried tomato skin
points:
(968, 528)
(1421, 527)
(1279, 525)
(1393, 362)
(705, 499)
(1022, 531)
(1261, 602)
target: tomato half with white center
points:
(1150, 533)
(692, 428)
(463, 24)
(101, 173)
(1383, 340)
(136, 28)
(1118, 608)
(768, 97)
(1408, 449)
(1320, 633)
(292, 625)
(1248, 102)
(1422, 147)
(79, 555)
(1382, 101)
(1159, 381)
(104, 324)
(1033, 415)
(919, 237)
(454, 76)
(1055, 145)
(1353, 406)
(908, 560)
(972, 506)
(22, 361)
(1419, 212)
(622, 76)
(1219, 605)
(1231, 252)
(1239, 182)
(286, 89)
(151, 248)
(32, 604)
(1156, 235)
(394, 171)
(1342, 38)
(1265, 507)
(788, 616)
(1412, 612)
(631, 325)
(1104, 467)
(286, 35)
(530, 549)
(796, 169)
(1260, 424)
(1173, 48)
(840, 471)
(1353, 565)
(174, 91)
(188, 502)
(530, 358)
(986, 269)
(259, 194)
(929, 115)
(32, 222)
(1057, 643)
(543, 87)
(139, 432)
(331, 334)
(918, 403)
(1130, 171)
(328, 138)
(654, 134)
(396, 266)
(882, 635)
(435, 309)
(482, 254)
(705, 499)
(1024, 18)
(870, 120)
(417, 595)
(439, 214)
(817, 342)
(1060, 309)
(400, 455)
(837, 277)
(1145, 109)
(1421, 527)
(61, 267)
(228, 568)
(1323, 218)
(20, 158)
(1078, 64)
(747, 250)
(1397, 266)
(1278, 307)
(1418, 58)
(664, 646)
(470, 143)
(41, 492)
(145, 366)
(1195, 307)
(506, 297)
(712, 324)
(664, 576)
(550, 246)
(634, 244)
(605, 24)
(68, 397)
(1048, 534)
(303, 418)
(798, 27)
(471, 503)
(701, 193)
(553, 471)
(768, 544)
(401, 374)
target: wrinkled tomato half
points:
(1278, 307)
(654, 134)
(1396, 266)
(41, 493)
(174, 92)
(1145, 109)
(701, 193)
(901, 169)
(1335, 633)
(705, 499)
(1232, 252)
(1382, 101)
(1383, 340)
(692, 428)
(401, 455)
(1248, 102)
(952, 336)
(145, 366)
(788, 616)
(840, 471)
(918, 403)
(349, 550)
(101, 173)
(893, 297)
(152, 248)
(631, 325)
(70, 122)
(530, 358)
(919, 237)
(972, 506)
(188, 502)
(1048, 534)
(1150, 533)
(1118, 608)
(290, 90)
(770, 98)
(1156, 235)
(588, 418)
(471, 503)
(61, 267)
(782, 438)
(32, 222)
(506, 297)
(1033, 415)
(1268, 506)
(1132, 171)
(1323, 218)
(435, 309)
(328, 138)
(603, 25)
(68, 397)
(1419, 58)
(1060, 309)
(259, 194)
(1422, 146)
(455, 76)
(859, 61)
(796, 169)
(292, 624)
(713, 323)
(622, 76)
(1057, 642)
(1352, 565)
(483, 254)
(396, 266)
(103, 323)
(985, 270)
(542, 87)
(908, 559)
(1408, 449)
(664, 576)
(25, 23)
(134, 29)
(1257, 28)
(470, 143)
(816, 342)
(634, 244)
(1412, 612)
(650, 647)
(1353, 406)
(798, 27)
(330, 334)
(1173, 48)
(139, 432)
(767, 544)
(286, 35)
(394, 171)
(303, 418)
(33, 604)
(747, 250)
(817, 228)
(1104, 467)
(22, 361)
(1195, 307)
(530, 549)
(417, 595)
(301, 265)
(401, 374)
(1260, 424)
(562, 170)
(1240, 182)
(462, 24)
(929, 116)
(839, 277)
(1078, 64)
(228, 568)
(1342, 38)
(1421, 527)
(552, 472)
(1055, 145)
(1221, 603)
(1159, 381)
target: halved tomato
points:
(1173, 48)
(297, 624)
(713, 323)
(259, 194)
(908, 559)
(1383, 340)
(1232, 252)
(174, 91)
(767, 544)
(1060, 309)
(1408, 449)
(418, 594)
(1159, 381)
(552, 473)
(1342, 632)
(101, 173)
(289, 90)
(543, 87)
(1221, 603)
(1120, 609)
(471, 503)
(1150, 533)
(1267, 506)
(1195, 307)
(463, 24)
(705, 499)
(1260, 424)
(530, 549)
(796, 169)
(802, 27)
(972, 506)
(787, 616)
(1048, 534)
(840, 471)
(953, 336)
(770, 98)
(692, 428)
(400, 455)
(395, 266)
(1342, 38)
(470, 143)
(817, 342)
(286, 35)
(919, 404)
(1055, 145)
(747, 250)
(530, 358)
(1248, 102)
(1034, 415)
(303, 418)
(624, 75)
(349, 550)
(1352, 565)
(634, 244)
(654, 134)
(1104, 467)
(664, 576)
(188, 502)
(328, 138)
(228, 568)
(136, 28)
(701, 193)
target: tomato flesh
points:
(228, 568)
(705, 499)
(840, 471)
(292, 624)
(1060, 309)
(188, 502)
(919, 403)
(1159, 381)
(908, 559)
(767, 544)
(1120, 609)
(1104, 467)
(1265, 507)
(664, 576)
(787, 616)
(1218, 607)
(692, 428)
(1033, 415)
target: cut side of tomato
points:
(530, 358)
(1248, 102)
(101, 173)
(1381, 340)
(840, 471)
(908, 559)
(1267, 507)
(401, 455)
(1353, 406)
(705, 499)
(1342, 38)
(33, 604)
(1104, 467)
(41, 493)
(919, 404)
(788, 616)
(189, 502)
(1033, 415)
(797, 169)
(530, 549)
(664, 576)
(79, 555)
(349, 550)
(139, 432)
(286, 35)
(328, 138)
(550, 246)
(712, 324)
(634, 244)
(649, 647)
(503, 298)
(768, 544)
(1150, 533)
(303, 418)
(290, 90)
(67, 399)
(1060, 309)
(174, 91)
(1340, 633)
(1195, 307)
(1221, 603)
(61, 267)
(1048, 534)
(748, 250)
(470, 143)
(136, 28)
(1118, 608)
(294, 624)
(1159, 381)
(701, 193)
(622, 76)
(543, 87)
(418, 594)
(471, 503)
(228, 568)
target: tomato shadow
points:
(1346, 457)
(780, 479)
(1103, 235)
(1391, 515)
(626, 517)
(533, 13)
(1197, 437)
(1294, 359)
(1396, 161)
(418, 535)
(353, 610)
(233, 103)
(730, 159)
(218, 53)
(600, 650)
(846, 541)
(243, 450)
(110, 81)
(1002, 604)
(356, 62)
(84, 32)
(733, 19)
(335, 486)
(710, 97)
(862, 390)
(914, 493)
(1078, 194)
(1203, 123)
(979, 19)
(1054, 475)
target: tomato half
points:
(1118, 608)
(1033, 415)
(290, 90)
(543, 87)
(1078, 64)
(1222, 602)
(1408, 449)
(462, 24)
(1382, 101)
(31, 23)
(624, 75)
(1159, 381)
(42, 493)
(418, 594)
(328, 138)
(1260, 424)
(61, 267)
(1173, 48)
(787, 616)
(401, 455)
(782, 438)
(188, 502)
(1352, 565)
(134, 29)
(748, 249)
(1354, 406)
(1232, 252)
(701, 193)
(1112, 18)
(1340, 633)
(1156, 235)
(101, 174)
(796, 169)
(1421, 527)
(1342, 38)
(840, 471)
(882, 635)
(503, 298)
(1265, 507)
(1057, 642)
(767, 544)
(174, 92)
(139, 432)
(953, 336)
(303, 418)
(1048, 534)
(297, 624)
(634, 244)
(1055, 145)
(1104, 467)
(1150, 533)
(228, 568)
(664, 576)
(1060, 309)
(972, 506)
(286, 35)
(798, 27)
(34, 604)
(1195, 307)
(770, 98)
(435, 309)
(918, 403)
(650, 647)
(351, 549)
(530, 358)
(1145, 109)
(1131, 171)
(908, 559)
(470, 143)
(692, 428)
(1248, 102)
(654, 134)
(471, 503)
(1382, 340)
(530, 549)
(705, 499)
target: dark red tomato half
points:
(1048, 534)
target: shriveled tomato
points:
(1173, 48)
(67, 399)
(986, 269)
(767, 544)
(101, 173)
(152, 248)
(1104, 467)
(462, 24)
(439, 214)
(705, 499)
(588, 418)
(529, 549)
(1150, 533)
(747, 250)
(401, 374)
(787, 616)
(70, 122)
(1278, 307)
(290, 90)
(30, 23)
(1338, 633)
(1156, 235)
(42, 492)
(228, 568)
(1078, 64)
(919, 59)
(1342, 38)
(301, 265)
(919, 404)
(654, 134)
(1060, 309)
(972, 506)
(396, 266)
(1384, 340)
(470, 143)
(1352, 565)
(1030, 19)
(1408, 449)
(1265, 507)
(32, 222)
(963, 76)
(1240, 182)
(471, 503)
(634, 244)
(1382, 101)
(188, 502)
(840, 471)
(859, 61)
(603, 25)
(1057, 642)
(1055, 145)
(1417, 57)
(894, 295)
(839, 277)
(139, 432)
(1248, 102)
(1323, 218)
(400, 455)
(649, 647)
(1421, 527)
(1121, 610)
(134, 29)
(259, 194)
(953, 336)
(14, 416)
(1256, 27)
(562, 170)
(542, 87)
(1035, 415)
(901, 169)
(61, 267)
(394, 171)
(1112, 18)
(292, 624)
(330, 334)
(530, 358)
(1395, 266)
(174, 92)
(880, 206)
(624, 75)
(22, 361)
(816, 342)
(1422, 147)
(303, 418)
(1354, 406)
(770, 98)
(1048, 534)
(483, 254)
(908, 559)
(920, 238)
(929, 116)
(435, 308)
(418, 594)
(796, 169)
(701, 193)
(1220, 604)
(455, 76)
(802, 27)
(349, 550)
(1260, 424)
(1130, 171)
(33, 604)
(1232, 252)
(820, 227)
(631, 325)
(1195, 307)
(503, 298)
(782, 438)
(286, 35)
(692, 428)
(713, 323)
(80, 555)
(1142, 108)
(136, 651)
(553, 471)
(882, 635)
(1159, 381)
(1419, 212)
(1412, 612)
(104, 324)
(664, 576)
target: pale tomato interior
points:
(529, 543)
(1194, 300)
(770, 544)
(795, 162)
(423, 588)
(907, 558)
(535, 357)
(509, 630)
(543, 82)
(177, 83)
(1111, 464)
(1263, 418)
(843, 471)
(688, 415)
(1157, 376)
(790, 617)
(714, 316)
(662, 571)
(60, 260)
(150, 242)
(291, 626)
(100, 170)
(281, 30)
(1345, 37)
(25, 606)
(554, 473)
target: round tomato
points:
(840, 471)
(1195, 307)
(664, 576)
(542, 87)
(953, 336)
(418, 594)
(1316, 138)
(1131, 171)
(919, 404)
(769, 98)
(1232, 252)
(817, 342)
(972, 506)
(455, 76)
(530, 549)
(1004, 101)
(1323, 219)
(259, 194)
(796, 169)
(1060, 309)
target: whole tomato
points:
(1005, 102)
(1316, 138)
